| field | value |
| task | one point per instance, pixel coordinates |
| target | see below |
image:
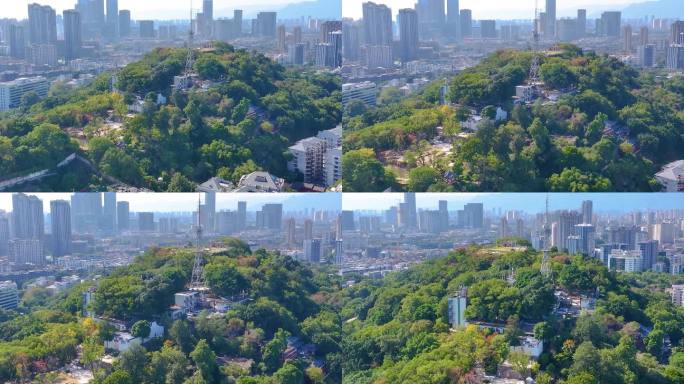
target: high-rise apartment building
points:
(60, 227)
(27, 217)
(377, 24)
(123, 221)
(550, 20)
(466, 22)
(124, 23)
(72, 34)
(408, 34)
(453, 19)
(42, 22)
(113, 25)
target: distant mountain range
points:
(671, 9)
(319, 9)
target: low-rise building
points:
(366, 91)
(11, 92)
(9, 298)
(625, 260)
(672, 176)
(260, 182)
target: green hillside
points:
(609, 127)
(244, 120)
(397, 329)
(275, 298)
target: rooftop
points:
(260, 182)
(216, 184)
(672, 171)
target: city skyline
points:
(173, 9)
(151, 202)
(528, 202)
(518, 10)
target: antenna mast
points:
(546, 260)
(534, 68)
(190, 59)
(196, 282)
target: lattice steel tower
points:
(197, 280)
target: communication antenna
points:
(534, 68)
(190, 59)
(546, 260)
(197, 281)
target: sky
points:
(499, 9)
(148, 9)
(528, 202)
(187, 202)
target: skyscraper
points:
(242, 215)
(408, 34)
(124, 23)
(146, 221)
(587, 211)
(308, 229)
(627, 36)
(122, 216)
(453, 19)
(677, 32)
(581, 23)
(474, 215)
(72, 34)
(113, 24)
(312, 251)
(42, 24)
(208, 16)
(237, 22)
(377, 24)
(265, 24)
(466, 23)
(60, 227)
(17, 42)
(586, 238)
(346, 221)
(431, 17)
(27, 217)
(339, 252)
(443, 215)
(272, 216)
(412, 218)
(86, 210)
(488, 29)
(550, 31)
(290, 231)
(609, 24)
(108, 223)
(210, 207)
(4, 234)
(649, 253)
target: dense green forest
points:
(285, 298)
(396, 329)
(244, 121)
(560, 145)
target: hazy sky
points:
(529, 202)
(498, 9)
(187, 202)
(148, 9)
